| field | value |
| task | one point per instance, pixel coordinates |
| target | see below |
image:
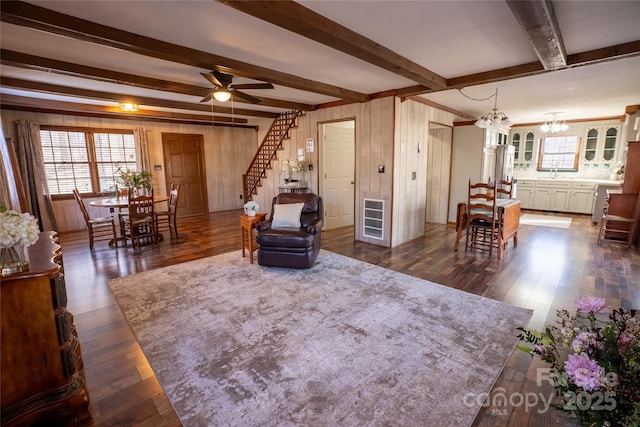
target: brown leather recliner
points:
(294, 247)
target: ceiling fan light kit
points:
(554, 125)
(223, 90)
(222, 95)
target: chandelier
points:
(554, 125)
(494, 120)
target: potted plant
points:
(251, 208)
(136, 180)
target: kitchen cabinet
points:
(556, 195)
(582, 197)
(552, 196)
(524, 193)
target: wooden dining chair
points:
(482, 212)
(140, 223)
(504, 189)
(99, 228)
(166, 220)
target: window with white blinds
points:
(559, 153)
(85, 159)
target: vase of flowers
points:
(594, 359)
(291, 169)
(18, 231)
(135, 180)
(251, 208)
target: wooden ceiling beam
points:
(305, 22)
(14, 102)
(32, 16)
(581, 59)
(118, 97)
(23, 60)
(538, 19)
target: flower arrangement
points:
(290, 165)
(251, 206)
(16, 229)
(594, 361)
(134, 179)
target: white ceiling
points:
(450, 38)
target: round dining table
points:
(122, 202)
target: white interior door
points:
(338, 173)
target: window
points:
(559, 152)
(85, 159)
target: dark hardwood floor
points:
(547, 271)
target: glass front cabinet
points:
(600, 150)
(524, 142)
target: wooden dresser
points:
(622, 202)
(42, 371)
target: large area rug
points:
(344, 343)
(545, 221)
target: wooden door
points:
(184, 164)
(438, 173)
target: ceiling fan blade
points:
(246, 97)
(212, 79)
(253, 86)
(207, 98)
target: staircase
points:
(267, 152)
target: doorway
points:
(438, 172)
(184, 164)
(337, 173)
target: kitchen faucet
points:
(554, 169)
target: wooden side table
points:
(247, 224)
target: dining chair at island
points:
(99, 228)
(140, 222)
(167, 219)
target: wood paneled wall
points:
(412, 143)
(387, 132)
(382, 127)
(228, 152)
(373, 146)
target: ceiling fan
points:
(223, 89)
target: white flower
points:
(17, 228)
(251, 206)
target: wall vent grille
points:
(373, 219)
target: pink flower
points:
(583, 371)
(590, 304)
(586, 342)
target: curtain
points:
(142, 149)
(5, 200)
(34, 180)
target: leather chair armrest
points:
(263, 225)
(315, 227)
